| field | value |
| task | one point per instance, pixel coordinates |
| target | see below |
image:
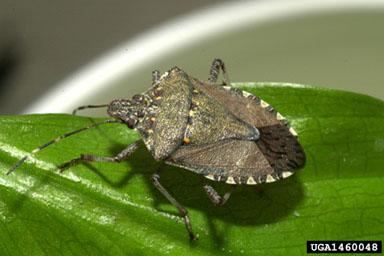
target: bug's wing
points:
(171, 114)
(244, 105)
(278, 141)
(232, 161)
(210, 121)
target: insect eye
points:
(131, 123)
(138, 98)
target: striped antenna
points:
(63, 136)
(88, 106)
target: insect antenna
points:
(88, 106)
(57, 139)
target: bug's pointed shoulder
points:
(172, 75)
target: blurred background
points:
(56, 55)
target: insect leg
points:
(88, 106)
(155, 77)
(218, 64)
(92, 158)
(183, 212)
(215, 197)
(56, 140)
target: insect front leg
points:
(182, 211)
(92, 158)
(215, 197)
(218, 64)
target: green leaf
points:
(113, 209)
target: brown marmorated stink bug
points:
(222, 133)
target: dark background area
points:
(42, 42)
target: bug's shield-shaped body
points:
(220, 132)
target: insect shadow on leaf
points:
(253, 206)
(221, 133)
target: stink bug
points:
(222, 133)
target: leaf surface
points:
(113, 209)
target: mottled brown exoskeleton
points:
(222, 133)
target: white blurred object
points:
(187, 30)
